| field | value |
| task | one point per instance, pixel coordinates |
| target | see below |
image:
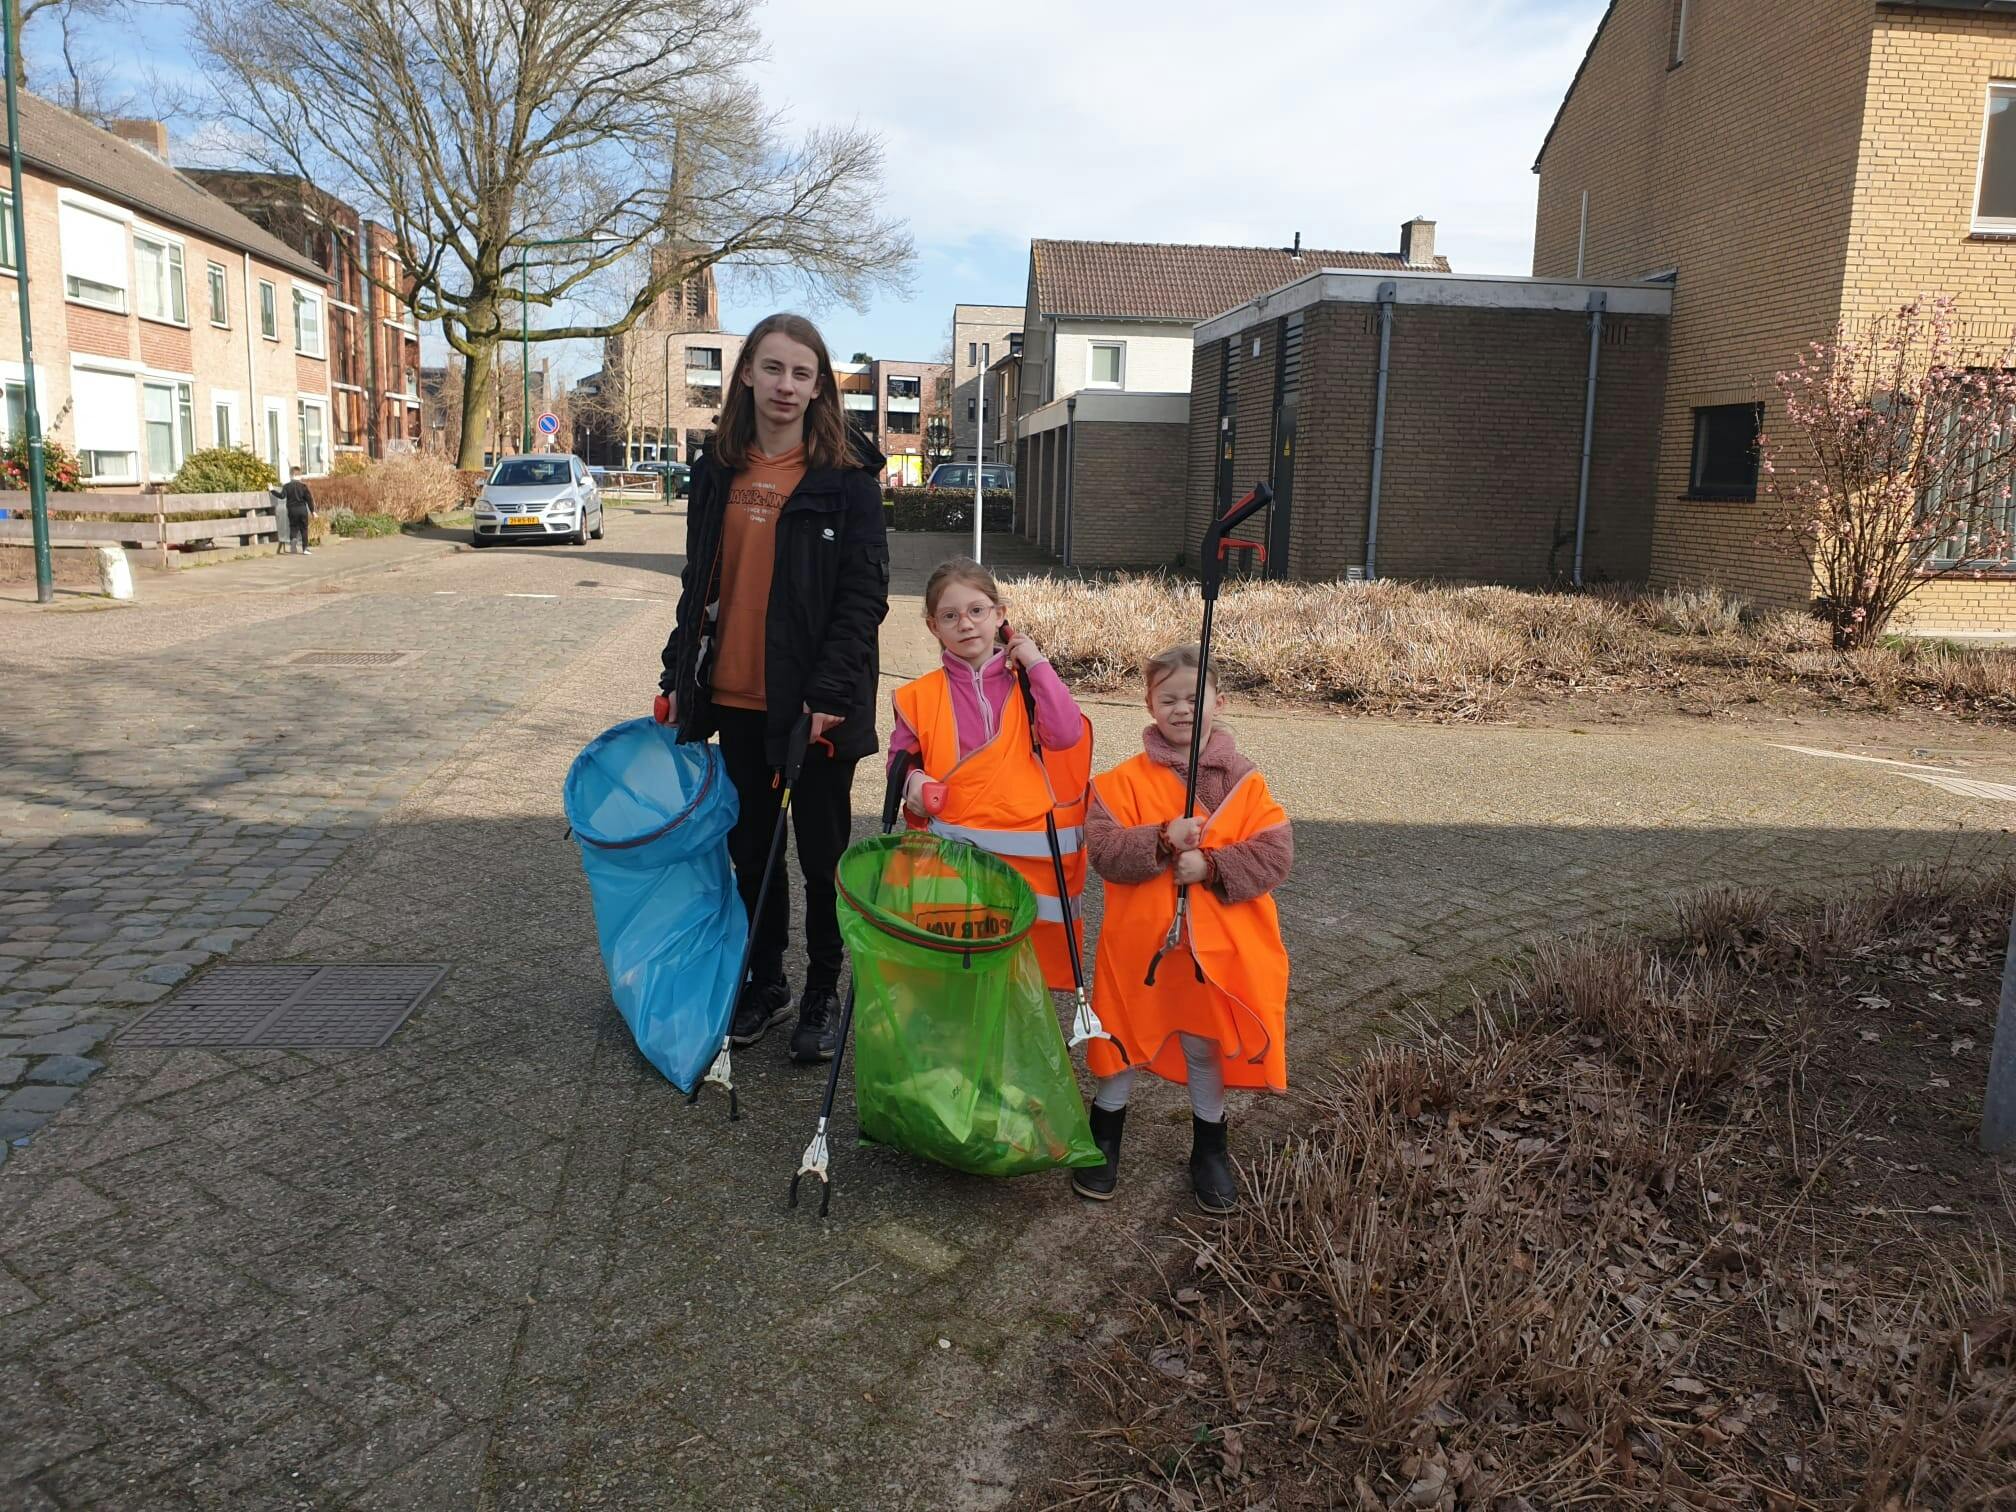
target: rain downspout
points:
(1387, 291)
(1597, 303)
(1070, 471)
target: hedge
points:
(946, 509)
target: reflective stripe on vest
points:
(1030, 845)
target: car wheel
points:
(597, 531)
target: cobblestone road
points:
(500, 1263)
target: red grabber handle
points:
(661, 709)
(933, 797)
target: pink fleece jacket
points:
(977, 701)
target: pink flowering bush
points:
(59, 467)
(1905, 457)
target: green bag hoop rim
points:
(909, 934)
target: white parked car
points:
(541, 497)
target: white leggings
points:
(1207, 1081)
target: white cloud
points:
(1181, 120)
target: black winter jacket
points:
(829, 592)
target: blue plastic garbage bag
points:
(652, 818)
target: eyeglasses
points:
(952, 619)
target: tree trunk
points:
(478, 375)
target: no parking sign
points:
(549, 424)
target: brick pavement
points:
(501, 1264)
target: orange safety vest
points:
(996, 798)
(1243, 1001)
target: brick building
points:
(893, 403)
(1785, 168)
(658, 393)
(980, 335)
(165, 321)
(373, 335)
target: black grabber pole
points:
(1085, 1023)
(817, 1156)
(1213, 568)
(721, 1073)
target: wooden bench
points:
(253, 517)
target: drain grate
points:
(314, 658)
(288, 1007)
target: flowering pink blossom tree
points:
(1906, 467)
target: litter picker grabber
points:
(1213, 567)
(1085, 1023)
(721, 1073)
(817, 1155)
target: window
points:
(171, 426)
(105, 414)
(13, 408)
(1982, 505)
(1725, 452)
(972, 353)
(224, 420)
(985, 348)
(1995, 195)
(308, 323)
(269, 312)
(972, 411)
(311, 417)
(903, 422)
(905, 388)
(94, 257)
(276, 440)
(1678, 54)
(8, 257)
(158, 264)
(220, 297)
(1106, 365)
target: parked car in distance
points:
(541, 497)
(682, 478)
(960, 475)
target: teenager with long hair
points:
(783, 594)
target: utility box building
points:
(1429, 425)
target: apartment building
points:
(902, 408)
(373, 336)
(1785, 168)
(164, 320)
(980, 334)
(657, 396)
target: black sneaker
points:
(818, 1031)
(762, 1005)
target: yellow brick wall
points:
(1961, 603)
(1736, 167)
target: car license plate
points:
(522, 520)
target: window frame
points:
(1676, 52)
(181, 423)
(304, 297)
(74, 287)
(175, 257)
(10, 255)
(1993, 225)
(226, 402)
(269, 309)
(304, 404)
(130, 374)
(1092, 350)
(1719, 493)
(218, 279)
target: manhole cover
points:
(348, 658)
(288, 1007)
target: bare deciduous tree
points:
(479, 130)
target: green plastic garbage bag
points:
(957, 1053)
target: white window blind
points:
(94, 256)
(105, 410)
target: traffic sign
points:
(549, 424)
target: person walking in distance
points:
(300, 504)
(781, 603)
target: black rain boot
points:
(1211, 1173)
(1097, 1182)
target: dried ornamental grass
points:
(1595, 1253)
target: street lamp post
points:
(38, 492)
(665, 476)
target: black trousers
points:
(822, 821)
(297, 528)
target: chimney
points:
(150, 137)
(1417, 243)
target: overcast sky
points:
(1235, 121)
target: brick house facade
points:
(1788, 168)
(165, 322)
(892, 402)
(624, 414)
(980, 337)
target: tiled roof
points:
(70, 148)
(1162, 281)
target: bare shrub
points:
(409, 487)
